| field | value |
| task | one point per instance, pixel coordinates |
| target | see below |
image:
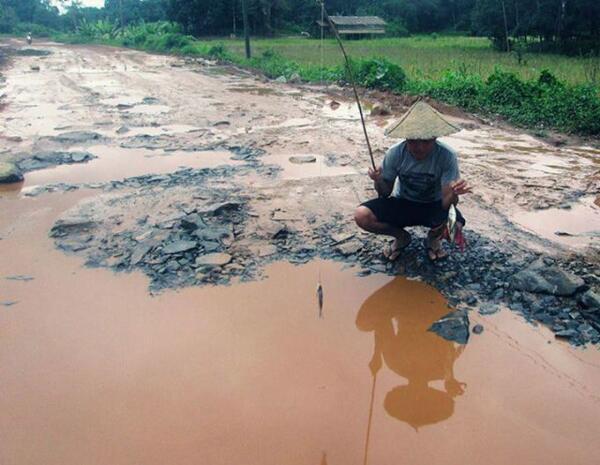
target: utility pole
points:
(234, 22)
(505, 25)
(121, 11)
(246, 29)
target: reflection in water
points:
(11, 189)
(400, 314)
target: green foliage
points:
(99, 30)
(542, 103)
(38, 30)
(396, 29)
(505, 90)
(378, 73)
(548, 79)
(454, 87)
(274, 65)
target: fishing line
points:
(349, 70)
(319, 283)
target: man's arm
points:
(452, 185)
(383, 187)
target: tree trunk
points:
(505, 25)
(233, 15)
(246, 29)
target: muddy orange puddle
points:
(578, 226)
(119, 163)
(96, 371)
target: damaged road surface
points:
(161, 255)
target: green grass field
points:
(428, 57)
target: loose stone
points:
(214, 259)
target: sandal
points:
(392, 251)
(435, 252)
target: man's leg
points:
(434, 242)
(367, 219)
(436, 219)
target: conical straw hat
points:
(421, 122)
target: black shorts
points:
(403, 212)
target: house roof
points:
(357, 21)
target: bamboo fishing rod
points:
(352, 79)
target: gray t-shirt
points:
(420, 180)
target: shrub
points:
(274, 65)
(36, 29)
(504, 89)
(455, 88)
(219, 52)
(396, 29)
(378, 73)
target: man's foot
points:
(393, 250)
(434, 249)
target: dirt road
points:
(180, 169)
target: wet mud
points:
(220, 199)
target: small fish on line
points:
(320, 299)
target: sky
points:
(97, 3)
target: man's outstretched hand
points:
(461, 187)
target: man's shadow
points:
(399, 314)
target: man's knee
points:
(364, 217)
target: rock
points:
(301, 159)
(281, 79)
(70, 225)
(217, 209)
(210, 246)
(221, 124)
(9, 173)
(20, 277)
(349, 248)
(43, 160)
(489, 309)
(590, 300)
(285, 216)
(77, 137)
(566, 333)
(454, 327)
(378, 268)
(295, 78)
(35, 67)
(139, 252)
(123, 130)
(30, 164)
(80, 157)
(213, 234)
(271, 229)
(380, 109)
(213, 259)
(478, 329)
(266, 251)
(150, 101)
(339, 238)
(192, 222)
(547, 280)
(179, 247)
